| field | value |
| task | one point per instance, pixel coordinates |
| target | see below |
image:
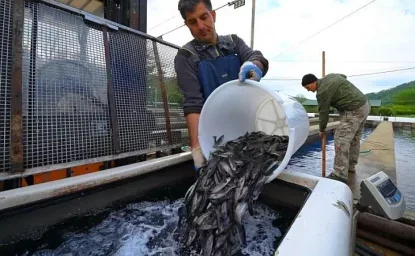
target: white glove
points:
(251, 71)
(198, 158)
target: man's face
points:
(311, 87)
(201, 23)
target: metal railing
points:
(77, 89)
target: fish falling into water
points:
(211, 219)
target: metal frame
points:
(106, 22)
(17, 126)
(16, 103)
(111, 97)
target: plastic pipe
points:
(387, 227)
(361, 252)
(367, 249)
(386, 243)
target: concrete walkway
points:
(380, 158)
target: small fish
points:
(218, 141)
(225, 189)
(220, 186)
(239, 187)
(207, 250)
(191, 236)
(206, 221)
(239, 212)
(271, 167)
(221, 196)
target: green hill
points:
(387, 95)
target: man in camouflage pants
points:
(334, 90)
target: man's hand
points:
(322, 135)
(251, 71)
(198, 158)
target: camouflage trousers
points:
(347, 140)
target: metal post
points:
(253, 24)
(111, 95)
(16, 122)
(163, 93)
(142, 16)
(323, 142)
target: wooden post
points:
(323, 140)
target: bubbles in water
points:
(260, 233)
(148, 228)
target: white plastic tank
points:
(235, 108)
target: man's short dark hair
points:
(308, 79)
(190, 5)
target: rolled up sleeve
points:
(248, 54)
(189, 85)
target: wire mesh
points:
(174, 96)
(130, 75)
(65, 105)
(5, 80)
(65, 99)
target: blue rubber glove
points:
(251, 71)
(198, 158)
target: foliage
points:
(301, 98)
(385, 111)
(387, 95)
(311, 109)
(397, 110)
(404, 110)
(374, 111)
(153, 82)
(173, 93)
(405, 97)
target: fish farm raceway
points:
(93, 157)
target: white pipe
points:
(30, 194)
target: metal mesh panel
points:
(65, 104)
(129, 72)
(174, 96)
(5, 81)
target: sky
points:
(377, 38)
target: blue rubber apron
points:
(214, 73)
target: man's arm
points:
(192, 120)
(323, 109)
(193, 99)
(248, 54)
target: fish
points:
(212, 217)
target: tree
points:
(405, 97)
(301, 98)
(169, 80)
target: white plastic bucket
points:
(235, 108)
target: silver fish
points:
(207, 250)
(225, 189)
(239, 212)
(221, 196)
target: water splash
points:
(148, 228)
